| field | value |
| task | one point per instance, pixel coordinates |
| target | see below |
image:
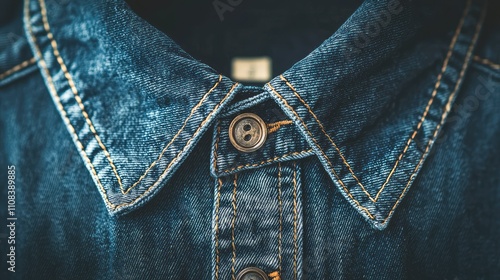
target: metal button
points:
(247, 132)
(252, 273)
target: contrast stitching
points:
(176, 135)
(266, 161)
(185, 147)
(446, 109)
(89, 122)
(487, 62)
(295, 244)
(53, 92)
(73, 87)
(216, 145)
(73, 131)
(320, 150)
(326, 134)
(233, 225)
(273, 127)
(275, 275)
(434, 93)
(217, 205)
(327, 159)
(18, 67)
(280, 212)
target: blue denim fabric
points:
(381, 161)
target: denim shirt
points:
(381, 160)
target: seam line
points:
(193, 110)
(73, 131)
(487, 62)
(233, 225)
(217, 205)
(326, 134)
(284, 102)
(295, 244)
(89, 121)
(433, 96)
(53, 92)
(73, 87)
(18, 68)
(446, 109)
(267, 161)
(182, 151)
(280, 213)
(216, 146)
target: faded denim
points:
(382, 162)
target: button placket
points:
(258, 223)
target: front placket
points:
(257, 223)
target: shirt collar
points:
(135, 103)
(372, 99)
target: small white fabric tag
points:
(251, 69)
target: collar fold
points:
(134, 103)
(370, 101)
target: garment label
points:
(251, 69)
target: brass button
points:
(252, 273)
(247, 132)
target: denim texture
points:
(381, 161)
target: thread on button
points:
(273, 127)
(247, 132)
(274, 275)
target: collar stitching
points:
(446, 110)
(487, 62)
(89, 121)
(185, 147)
(53, 91)
(319, 149)
(72, 85)
(18, 68)
(419, 125)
